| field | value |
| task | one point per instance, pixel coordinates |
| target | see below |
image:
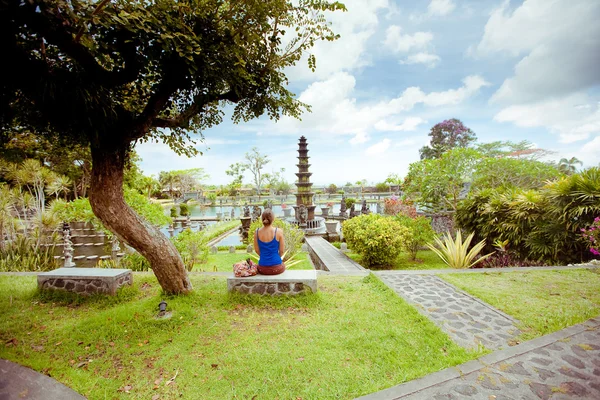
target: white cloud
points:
(397, 42)
(590, 152)
(409, 124)
(336, 111)
(559, 42)
(379, 148)
(573, 118)
(430, 60)
(440, 7)
(355, 27)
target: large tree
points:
(110, 74)
(445, 136)
(255, 162)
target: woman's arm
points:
(281, 242)
(256, 249)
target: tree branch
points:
(183, 119)
(56, 32)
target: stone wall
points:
(273, 289)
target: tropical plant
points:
(60, 184)
(23, 254)
(192, 246)
(376, 238)
(455, 253)
(568, 166)
(288, 260)
(420, 233)
(212, 197)
(173, 212)
(135, 262)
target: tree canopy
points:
(110, 74)
(445, 136)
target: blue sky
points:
(510, 70)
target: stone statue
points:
(302, 214)
(270, 204)
(232, 213)
(246, 210)
(364, 209)
(379, 209)
(256, 213)
(343, 207)
(68, 249)
(352, 211)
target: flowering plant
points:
(592, 233)
(395, 206)
(330, 204)
(283, 206)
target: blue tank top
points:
(269, 251)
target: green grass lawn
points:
(223, 261)
(544, 301)
(353, 337)
(426, 259)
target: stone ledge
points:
(85, 281)
(289, 283)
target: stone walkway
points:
(18, 382)
(562, 365)
(468, 321)
(330, 258)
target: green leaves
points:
(378, 239)
(456, 253)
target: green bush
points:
(420, 233)
(173, 212)
(184, 211)
(350, 201)
(292, 236)
(382, 187)
(23, 254)
(192, 247)
(212, 197)
(377, 238)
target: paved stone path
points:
(18, 382)
(468, 321)
(330, 257)
(562, 365)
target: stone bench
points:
(85, 281)
(290, 282)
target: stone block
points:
(85, 281)
(290, 282)
(232, 249)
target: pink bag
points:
(245, 268)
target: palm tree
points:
(568, 167)
(59, 184)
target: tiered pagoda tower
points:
(305, 194)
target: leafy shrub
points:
(382, 187)
(505, 259)
(292, 236)
(543, 225)
(377, 238)
(23, 254)
(226, 248)
(135, 262)
(184, 211)
(456, 253)
(350, 201)
(192, 247)
(173, 212)
(420, 233)
(212, 197)
(395, 206)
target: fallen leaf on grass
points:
(12, 342)
(58, 343)
(156, 397)
(214, 366)
(301, 359)
(158, 381)
(125, 389)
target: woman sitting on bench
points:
(269, 245)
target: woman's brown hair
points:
(267, 217)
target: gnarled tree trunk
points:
(106, 199)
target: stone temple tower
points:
(305, 195)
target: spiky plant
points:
(456, 253)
